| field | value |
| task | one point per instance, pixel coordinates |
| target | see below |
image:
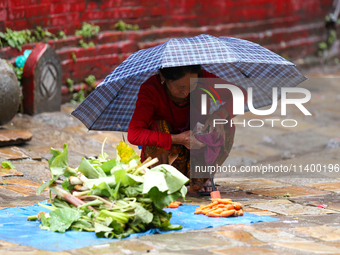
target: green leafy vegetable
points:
(7, 164)
(111, 197)
(61, 219)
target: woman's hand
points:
(194, 143)
(187, 139)
(209, 123)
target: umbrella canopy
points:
(111, 105)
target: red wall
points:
(69, 14)
(292, 28)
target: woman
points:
(161, 125)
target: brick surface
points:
(16, 13)
(3, 15)
(17, 24)
(60, 7)
(20, 3)
(292, 28)
(39, 21)
(37, 10)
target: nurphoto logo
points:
(238, 105)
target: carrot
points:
(237, 206)
(226, 206)
(173, 206)
(210, 205)
(224, 201)
(218, 199)
(227, 213)
(198, 212)
(221, 206)
(212, 214)
(217, 211)
(236, 214)
(208, 210)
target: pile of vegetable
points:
(111, 197)
(221, 208)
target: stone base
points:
(11, 137)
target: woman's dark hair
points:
(178, 72)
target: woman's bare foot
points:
(206, 188)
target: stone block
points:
(9, 93)
(42, 81)
(11, 137)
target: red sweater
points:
(152, 104)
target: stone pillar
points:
(9, 93)
(42, 81)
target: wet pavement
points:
(307, 205)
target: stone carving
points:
(9, 93)
(42, 81)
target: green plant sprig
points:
(122, 26)
(88, 30)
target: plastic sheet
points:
(15, 228)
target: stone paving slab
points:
(21, 186)
(7, 248)
(25, 191)
(268, 200)
(242, 196)
(324, 233)
(33, 170)
(271, 235)
(332, 220)
(241, 236)
(331, 201)
(246, 250)
(79, 130)
(6, 195)
(10, 137)
(263, 236)
(42, 151)
(32, 155)
(259, 212)
(130, 246)
(250, 184)
(309, 248)
(6, 172)
(292, 191)
(291, 209)
(333, 186)
(305, 181)
(191, 240)
(12, 153)
(286, 223)
(100, 136)
(20, 182)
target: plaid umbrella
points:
(111, 105)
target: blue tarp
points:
(15, 228)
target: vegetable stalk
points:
(142, 167)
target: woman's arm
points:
(138, 132)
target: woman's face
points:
(181, 87)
